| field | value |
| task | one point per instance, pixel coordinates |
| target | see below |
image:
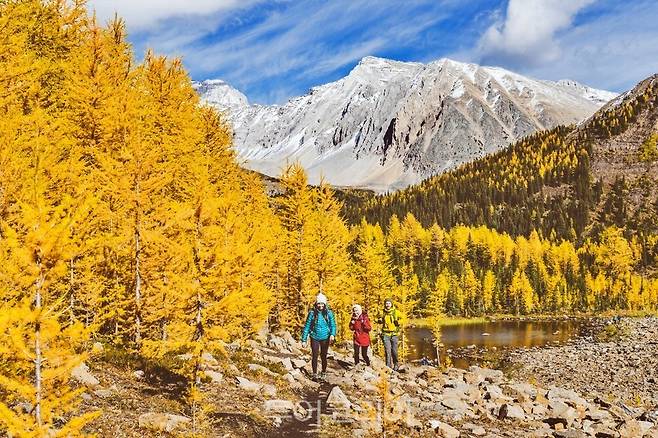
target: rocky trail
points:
(262, 388)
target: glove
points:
(304, 344)
(331, 338)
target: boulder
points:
(634, 428)
(287, 364)
(492, 376)
(444, 429)
(162, 422)
(454, 403)
(294, 384)
(474, 429)
(268, 390)
(511, 411)
(248, 385)
(412, 422)
(569, 433)
(82, 375)
(560, 412)
(261, 369)
(209, 360)
(338, 399)
(214, 376)
(139, 374)
(280, 407)
(521, 392)
(493, 392)
(298, 363)
(603, 431)
(473, 378)
(568, 396)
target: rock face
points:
(389, 124)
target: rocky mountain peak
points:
(388, 124)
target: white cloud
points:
(141, 15)
(301, 43)
(527, 32)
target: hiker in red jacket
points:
(360, 325)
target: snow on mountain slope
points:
(389, 124)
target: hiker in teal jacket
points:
(321, 327)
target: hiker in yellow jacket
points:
(390, 322)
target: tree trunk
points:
(71, 292)
(37, 346)
(138, 285)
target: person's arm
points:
(307, 327)
(352, 324)
(332, 323)
(366, 324)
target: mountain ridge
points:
(389, 124)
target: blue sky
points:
(277, 49)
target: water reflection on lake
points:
(464, 343)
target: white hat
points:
(358, 309)
(321, 299)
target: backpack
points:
(315, 317)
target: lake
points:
(469, 343)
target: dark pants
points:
(391, 350)
(364, 352)
(321, 347)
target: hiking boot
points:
(396, 368)
(323, 376)
(315, 377)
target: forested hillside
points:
(545, 182)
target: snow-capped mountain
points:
(388, 124)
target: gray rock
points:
(566, 395)
(287, 364)
(443, 429)
(492, 376)
(294, 384)
(82, 375)
(214, 376)
(455, 404)
(634, 428)
(280, 407)
(248, 385)
(474, 429)
(208, 359)
(257, 368)
(139, 374)
(569, 433)
(511, 411)
(268, 390)
(299, 363)
(338, 399)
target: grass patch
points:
(612, 333)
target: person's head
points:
(356, 310)
(320, 301)
(388, 304)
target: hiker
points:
(321, 327)
(390, 322)
(360, 325)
